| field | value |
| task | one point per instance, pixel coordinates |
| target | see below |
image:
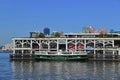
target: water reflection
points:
(63, 70)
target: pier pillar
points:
(113, 43)
(84, 44)
(14, 46)
(94, 54)
(39, 43)
(119, 54)
(30, 52)
(31, 44)
(22, 44)
(66, 45)
(48, 45)
(75, 45)
(57, 45)
(13, 51)
(22, 52)
(22, 55)
(113, 55)
(103, 54)
(94, 50)
(103, 49)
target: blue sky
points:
(19, 17)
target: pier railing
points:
(107, 48)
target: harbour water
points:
(57, 70)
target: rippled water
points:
(57, 70)
(5, 67)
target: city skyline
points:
(19, 17)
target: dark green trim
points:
(61, 57)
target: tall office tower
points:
(46, 31)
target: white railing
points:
(60, 53)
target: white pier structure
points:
(94, 44)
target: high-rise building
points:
(46, 31)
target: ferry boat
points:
(68, 46)
(60, 55)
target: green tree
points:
(40, 35)
(56, 34)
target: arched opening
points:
(53, 45)
(18, 52)
(99, 45)
(26, 45)
(108, 45)
(80, 46)
(18, 44)
(71, 46)
(35, 46)
(44, 45)
(90, 46)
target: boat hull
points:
(61, 57)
